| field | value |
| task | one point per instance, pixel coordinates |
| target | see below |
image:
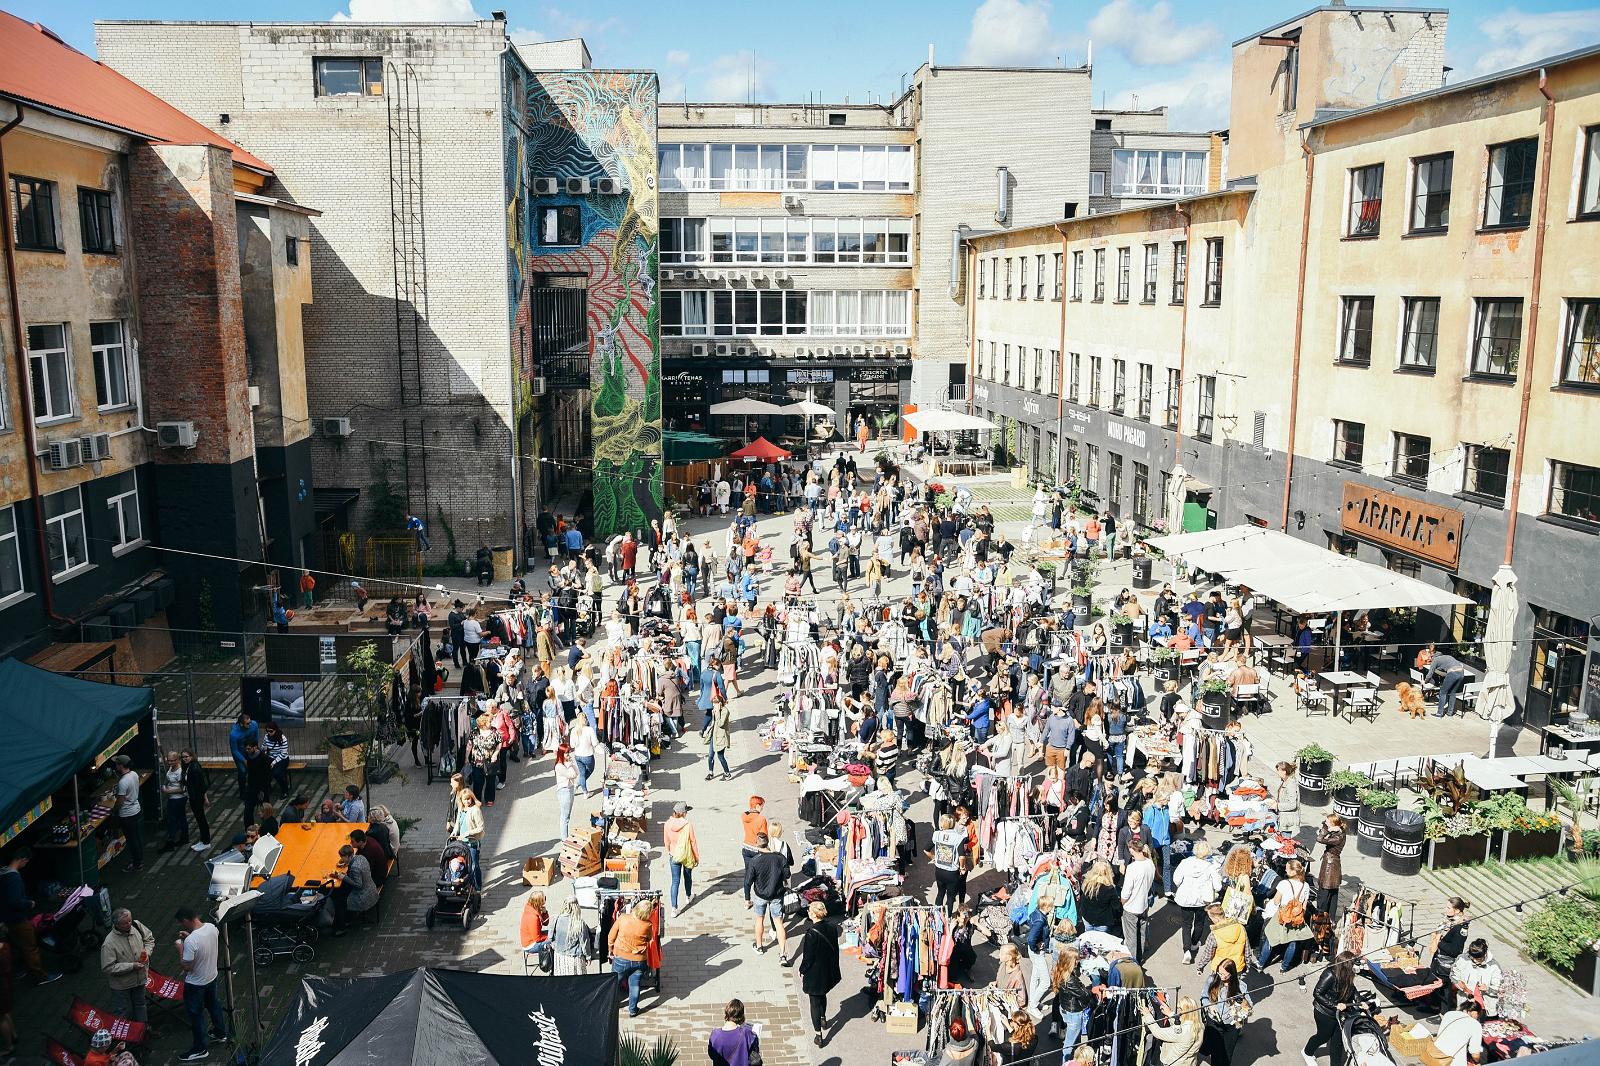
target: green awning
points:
(682, 446)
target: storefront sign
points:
(873, 374)
(686, 378)
(1425, 530)
(1126, 434)
(810, 376)
(1030, 407)
(980, 393)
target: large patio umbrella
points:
(760, 450)
(806, 407)
(746, 407)
(1498, 636)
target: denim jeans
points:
(585, 770)
(680, 873)
(1119, 751)
(472, 862)
(631, 973)
(1073, 1027)
(483, 780)
(1268, 953)
(1449, 685)
(198, 1000)
(712, 755)
(564, 805)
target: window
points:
(1124, 269)
(291, 251)
(1152, 261)
(1366, 201)
(560, 227)
(1077, 275)
(1022, 277)
(1419, 348)
(1038, 277)
(1057, 288)
(1147, 172)
(111, 371)
(1052, 383)
(1355, 331)
(836, 118)
(1589, 178)
(94, 217)
(683, 313)
(1205, 410)
(1180, 269)
(1097, 183)
(1411, 455)
(1141, 493)
(1075, 382)
(1580, 363)
(10, 555)
(776, 167)
(1575, 492)
(1119, 384)
(1469, 622)
(1213, 271)
(1402, 564)
(1497, 338)
(983, 277)
(1008, 277)
(1092, 468)
(1005, 354)
(1349, 442)
(1102, 123)
(1099, 275)
(1094, 380)
(1487, 470)
(64, 532)
(1147, 378)
(50, 373)
(123, 503)
(1038, 370)
(1340, 544)
(348, 77)
(1430, 193)
(34, 209)
(1508, 191)
(1174, 398)
(1114, 484)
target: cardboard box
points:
(903, 1018)
(625, 869)
(540, 871)
(827, 856)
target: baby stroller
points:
(1366, 1041)
(455, 896)
(285, 922)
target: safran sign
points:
(1425, 530)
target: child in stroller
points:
(454, 895)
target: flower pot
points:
(1313, 778)
(1080, 605)
(1369, 829)
(1214, 709)
(1347, 802)
(1515, 845)
(1586, 972)
(1166, 672)
(1457, 851)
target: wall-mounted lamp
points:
(1299, 520)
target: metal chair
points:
(1312, 696)
(1387, 657)
(1362, 702)
(1467, 698)
(1247, 697)
(1430, 691)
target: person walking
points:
(197, 951)
(197, 784)
(769, 880)
(1286, 915)
(566, 774)
(276, 745)
(683, 853)
(583, 740)
(174, 803)
(16, 914)
(1330, 871)
(734, 1043)
(130, 815)
(1286, 800)
(720, 737)
(1335, 992)
(467, 827)
(1197, 884)
(628, 946)
(819, 966)
(1137, 884)
(125, 961)
(1225, 1007)
(572, 940)
(483, 754)
(950, 850)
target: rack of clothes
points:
(612, 902)
(983, 1012)
(907, 948)
(1214, 756)
(1375, 920)
(447, 725)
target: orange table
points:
(311, 852)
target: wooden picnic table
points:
(311, 850)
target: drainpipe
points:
(1061, 361)
(20, 353)
(1533, 313)
(972, 325)
(1299, 318)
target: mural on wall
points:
(598, 124)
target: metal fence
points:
(388, 561)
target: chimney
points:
(930, 55)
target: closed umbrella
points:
(1504, 603)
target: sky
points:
(1146, 53)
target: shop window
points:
(1575, 492)
(1141, 494)
(1555, 664)
(1469, 622)
(1114, 485)
(1403, 564)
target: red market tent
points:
(760, 450)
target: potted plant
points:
(1082, 597)
(1376, 803)
(1314, 764)
(1565, 934)
(1214, 703)
(1165, 661)
(1454, 839)
(1518, 832)
(1346, 786)
(1047, 570)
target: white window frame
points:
(42, 356)
(103, 354)
(1126, 162)
(121, 544)
(869, 168)
(61, 520)
(1097, 183)
(11, 551)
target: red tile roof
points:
(37, 67)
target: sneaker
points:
(1188, 958)
(1311, 1060)
(194, 1056)
(219, 1038)
(49, 979)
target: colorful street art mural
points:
(596, 124)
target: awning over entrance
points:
(1301, 576)
(936, 421)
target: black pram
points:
(455, 896)
(285, 921)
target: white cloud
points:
(677, 57)
(1196, 99)
(674, 88)
(1147, 35)
(1517, 38)
(1011, 33)
(408, 11)
(734, 77)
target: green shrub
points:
(1379, 799)
(1560, 932)
(1312, 752)
(1348, 779)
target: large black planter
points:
(1314, 782)
(1214, 709)
(1402, 842)
(1586, 972)
(1143, 573)
(1167, 671)
(1347, 802)
(1513, 846)
(1457, 851)
(1369, 829)
(1080, 606)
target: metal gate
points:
(559, 316)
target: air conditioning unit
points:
(859, 350)
(757, 276)
(65, 454)
(607, 186)
(335, 427)
(254, 392)
(697, 349)
(546, 186)
(689, 275)
(780, 276)
(790, 200)
(577, 186)
(743, 350)
(722, 349)
(96, 447)
(669, 275)
(901, 349)
(537, 386)
(176, 435)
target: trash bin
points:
(1144, 572)
(347, 762)
(503, 563)
(1402, 842)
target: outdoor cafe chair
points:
(1247, 697)
(1312, 697)
(1429, 689)
(1363, 702)
(1467, 698)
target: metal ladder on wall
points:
(409, 245)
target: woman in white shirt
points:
(566, 773)
(999, 747)
(583, 742)
(616, 628)
(1288, 915)
(1197, 883)
(472, 634)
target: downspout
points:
(1299, 318)
(1533, 313)
(972, 324)
(1061, 361)
(20, 353)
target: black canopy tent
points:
(434, 1017)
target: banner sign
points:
(1426, 530)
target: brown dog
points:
(1411, 699)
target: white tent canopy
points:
(1301, 576)
(805, 407)
(746, 407)
(937, 421)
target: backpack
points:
(1292, 912)
(683, 852)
